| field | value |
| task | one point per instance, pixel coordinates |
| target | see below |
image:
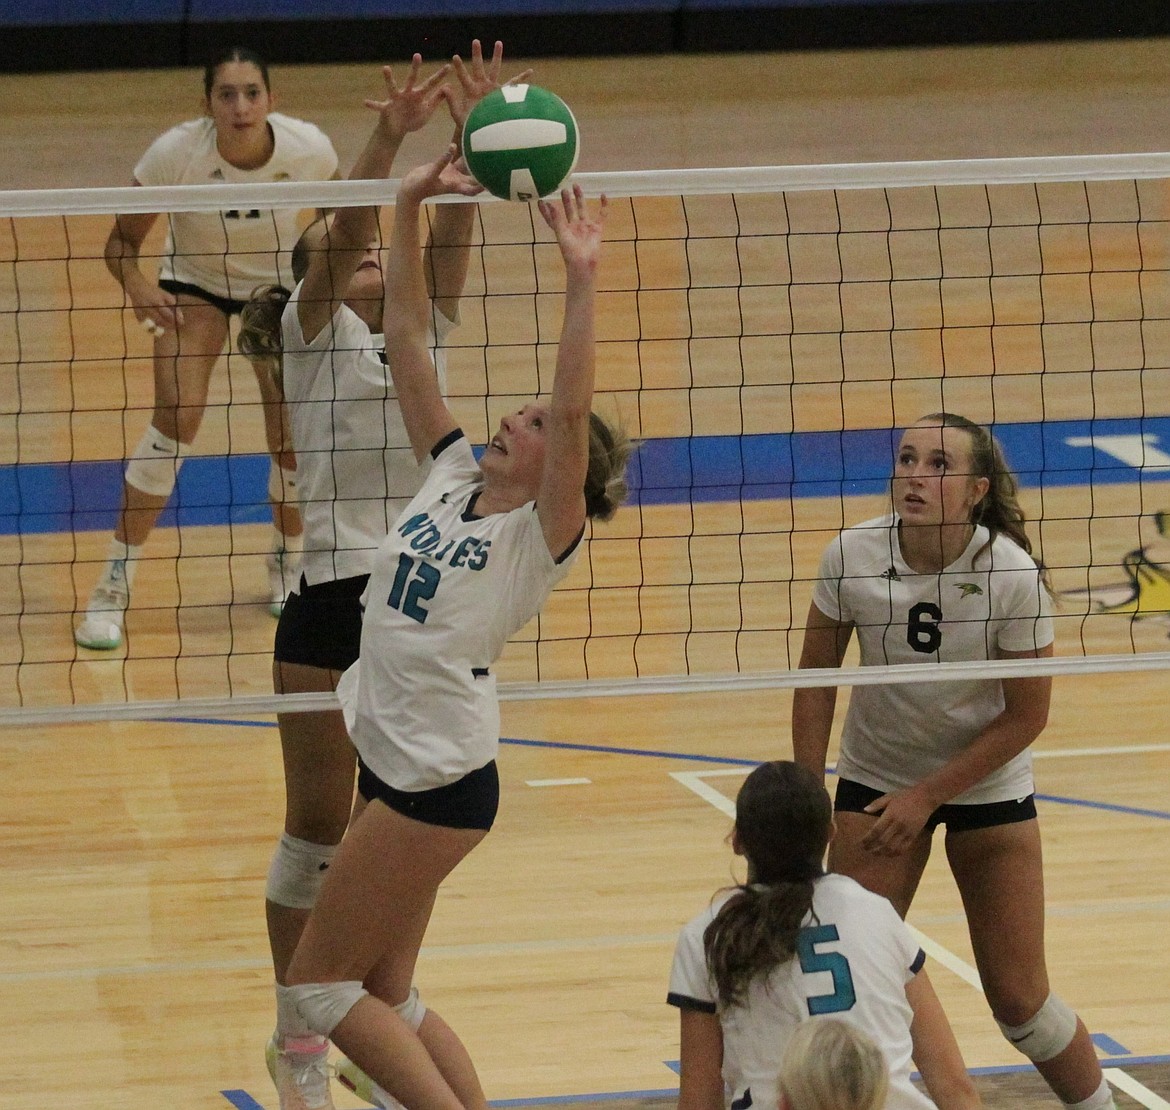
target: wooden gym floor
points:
(133, 965)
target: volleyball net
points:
(763, 333)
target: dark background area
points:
(63, 35)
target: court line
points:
(1123, 1081)
(672, 1092)
(692, 780)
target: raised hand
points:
(445, 176)
(578, 233)
(409, 108)
(474, 82)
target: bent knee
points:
(1046, 1033)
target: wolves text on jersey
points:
(426, 539)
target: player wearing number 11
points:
(948, 576)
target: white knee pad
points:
(323, 1005)
(282, 484)
(412, 1011)
(1046, 1034)
(297, 871)
(154, 466)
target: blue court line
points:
(76, 496)
(723, 760)
(1105, 1043)
(241, 1100)
(1135, 811)
(605, 749)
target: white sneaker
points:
(105, 615)
(352, 1078)
(284, 578)
(301, 1078)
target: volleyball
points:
(520, 142)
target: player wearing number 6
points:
(791, 945)
(471, 559)
(948, 576)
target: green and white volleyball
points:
(520, 142)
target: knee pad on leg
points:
(297, 871)
(282, 484)
(1047, 1033)
(412, 1011)
(323, 1005)
(154, 466)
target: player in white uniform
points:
(947, 577)
(212, 262)
(470, 560)
(793, 945)
(356, 473)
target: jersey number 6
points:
(922, 627)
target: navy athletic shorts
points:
(321, 626)
(852, 797)
(467, 803)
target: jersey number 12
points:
(414, 584)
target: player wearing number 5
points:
(947, 577)
(792, 945)
(471, 559)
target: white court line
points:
(693, 781)
(1125, 1082)
(557, 782)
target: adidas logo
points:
(217, 174)
(890, 575)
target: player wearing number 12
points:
(793, 945)
(948, 576)
(471, 559)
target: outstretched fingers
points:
(408, 107)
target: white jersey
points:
(356, 470)
(895, 735)
(447, 590)
(855, 956)
(232, 252)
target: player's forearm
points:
(812, 721)
(573, 382)
(406, 311)
(353, 228)
(121, 258)
(997, 745)
(448, 254)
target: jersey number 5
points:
(922, 627)
(842, 996)
(414, 583)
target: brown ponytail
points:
(605, 480)
(783, 818)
